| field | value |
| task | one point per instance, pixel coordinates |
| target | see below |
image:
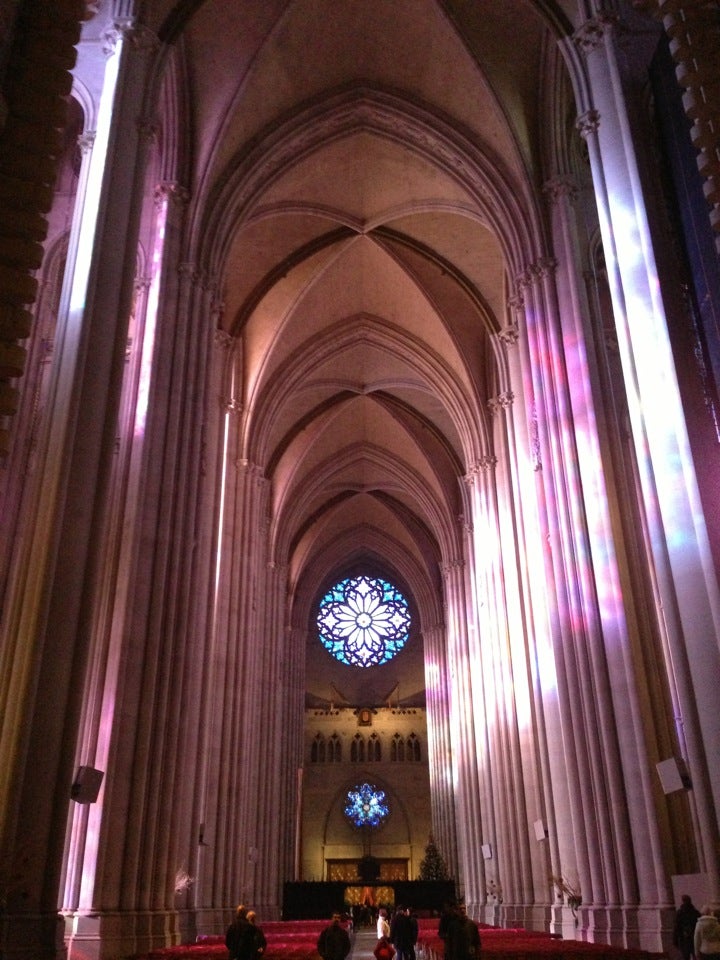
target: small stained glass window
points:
(366, 806)
(363, 621)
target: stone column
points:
(437, 690)
(527, 600)
(589, 739)
(464, 682)
(678, 548)
(50, 607)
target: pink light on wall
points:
(151, 310)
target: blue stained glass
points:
(363, 621)
(366, 806)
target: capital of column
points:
(452, 566)
(510, 334)
(501, 402)
(592, 33)
(172, 191)
(465, 524)
(190, 272)
(251, 470)
(588, 123)
(559, 188)
(484, 464)
(538, 270)
(126, 29)
(223, 339)
(85, 141)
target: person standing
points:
(686, 917)
(334, 941)
(256, 937)
(238, 938)
(401, 934)
(707, 936)
(414, 932)
(463, 937)
(383, 927)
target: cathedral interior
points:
(359, 461)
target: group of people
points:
(244, 938)
(397, 936)
(696, 935)
(697, 932)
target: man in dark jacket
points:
(401, 934)
(684, 932)
(239, 937)
(334, 942)
(463, 937)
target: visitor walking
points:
(686, 917)
(334, 941)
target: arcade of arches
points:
(298, 293)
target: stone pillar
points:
(527, 599)
(50, 608)
(151, 664)
(249, 705)
(590, 748)
(437, 690)
(677, 541)
(466, 726)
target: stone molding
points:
(36, 99)
(693, 30)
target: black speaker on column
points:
(86, 786)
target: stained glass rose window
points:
(363, 621)
(366, 806)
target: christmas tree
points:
(432, 866)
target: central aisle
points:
(364, 943)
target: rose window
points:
(363, 621)
(366, 806)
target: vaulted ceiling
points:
(363, 176)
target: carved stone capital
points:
(126, 29)
(593, 32)
(483, 465)
(588, 123)
(501, 402)
(510, 334)
(171, 191)
(85, 141)
(543, 268)
(561, 188)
